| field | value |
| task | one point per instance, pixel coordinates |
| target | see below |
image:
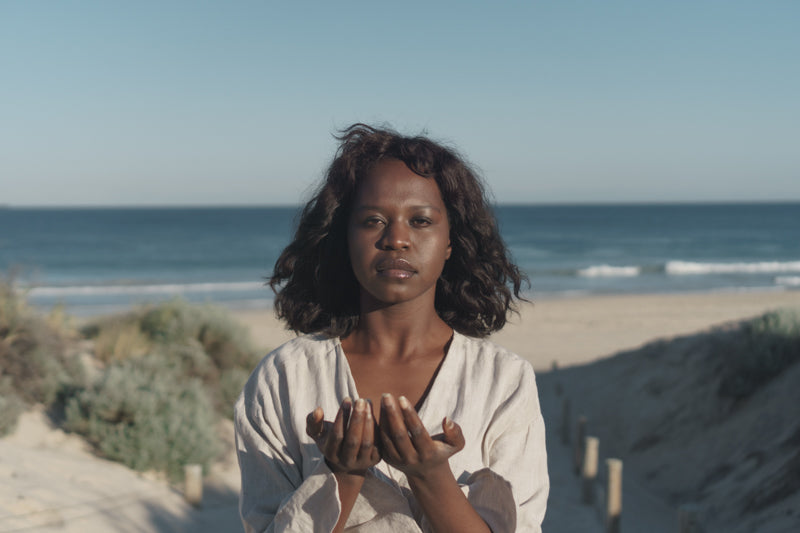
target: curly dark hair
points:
(316, 290)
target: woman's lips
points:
(395, 268)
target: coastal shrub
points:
(224, 340)
(174, 323)
(202, 341)
(230, 385)
(13, 308)
(33, 354)
(11, 406)
(768, 345)
(61, 322)
(117, 338)
(144, 413)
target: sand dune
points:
(663, 409)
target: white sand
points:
(50, 482)
(578, 330)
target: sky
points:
(236, 103)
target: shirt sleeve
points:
(516, 455)
(275, 494)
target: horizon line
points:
(9, 206)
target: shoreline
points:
(263, 301)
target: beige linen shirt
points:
(487, 390)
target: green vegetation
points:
(144, 413)
(203, 341)
(34, 362)
(162, 376)
(11, 406)
(767, 346)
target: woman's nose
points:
(395, 237)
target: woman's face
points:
(398, 236)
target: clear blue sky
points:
(184, 103)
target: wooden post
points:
(193, 488)
(687, 519)
(614, 496)
(589, 469)
(558, 388)
(565, 418)
(579, 438)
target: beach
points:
(572, 331)
(51, 482)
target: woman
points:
(396, 273)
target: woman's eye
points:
(372, 221)
(421, 222)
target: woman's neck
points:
(400, 332)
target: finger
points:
(314, 426)
(335, 434)
(397, 431)
(453, 434)
(367, 449)
(347, 407)
(389, 451)
(418, 434)
(352, 436)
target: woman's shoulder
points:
(487, 365)
(484, 352)
(296, 363)
(304, 350)
(496, 374)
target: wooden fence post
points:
(554, 369)
(579, 441)
(614, 496)
(565, 421)
(687, 519)
(193, 488)
(590, 469)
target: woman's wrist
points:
(350, 479)
(349, 486)
(443, 502)
(432, 478)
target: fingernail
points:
(360, 404)
(369, 408)
(448, 422)
(347, 400)
(387, 399)
(404, 402)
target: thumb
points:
(314, 424)
(452, 433)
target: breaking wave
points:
(169, 288)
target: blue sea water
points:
(95, 260)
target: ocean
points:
(98, 260)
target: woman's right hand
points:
(348, 443)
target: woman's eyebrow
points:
(379, 208)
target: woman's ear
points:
(448, 251)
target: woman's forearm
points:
(349, 487)
(443, 503)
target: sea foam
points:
(609, 271)
(172, 288)
(679, 268)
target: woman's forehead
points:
(391, 182)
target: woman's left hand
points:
(406, 444)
